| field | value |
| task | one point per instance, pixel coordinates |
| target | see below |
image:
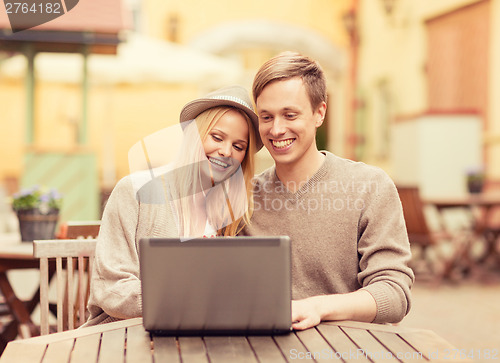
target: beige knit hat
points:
(234, 96)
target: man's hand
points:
(309, 312)
(305, 314)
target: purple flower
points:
(37, 197)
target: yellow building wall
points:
(121, 114)
(118, 117)
(129, 113)
(195, 16)
(195, 20)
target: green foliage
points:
(37, 197)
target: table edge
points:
(79, 332)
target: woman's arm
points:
(116, 288)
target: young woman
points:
(206, 191)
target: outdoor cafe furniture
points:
(71, 255)
(127, 341)
(429, 258)
(15, 255)
(481, 208)
(79, 229)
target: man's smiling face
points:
(287, 122)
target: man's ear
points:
(320, 114)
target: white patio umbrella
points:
(139, 59)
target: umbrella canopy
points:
(139, 59)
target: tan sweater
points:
(325, 243)
(347, 230)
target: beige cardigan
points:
(115, 291)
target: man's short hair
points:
(289, 65)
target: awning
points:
(93, 23)
(86, 27)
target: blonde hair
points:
(227, 208)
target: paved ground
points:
(467, 314)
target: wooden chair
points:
(77, 229)
(436, 253)
(71, 304)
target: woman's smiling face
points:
(226, 145)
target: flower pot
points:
(475, 179)
(475, 186)
(34, 225)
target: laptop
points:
(216, 286)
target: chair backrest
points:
(413, 210)
(71, 304)
(79, 229)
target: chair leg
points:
(460, 263)
(424, 266)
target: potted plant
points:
(37, 209)
(475, 180)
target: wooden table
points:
(483, 201)
(14, 255)
(127, 341)
(481, 207)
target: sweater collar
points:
(305, 186)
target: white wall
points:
(435, 152)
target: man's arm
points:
(384, 274)
(309, 312)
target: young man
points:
(350, 249)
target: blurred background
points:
(411, 85)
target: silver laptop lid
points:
(236, 285)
